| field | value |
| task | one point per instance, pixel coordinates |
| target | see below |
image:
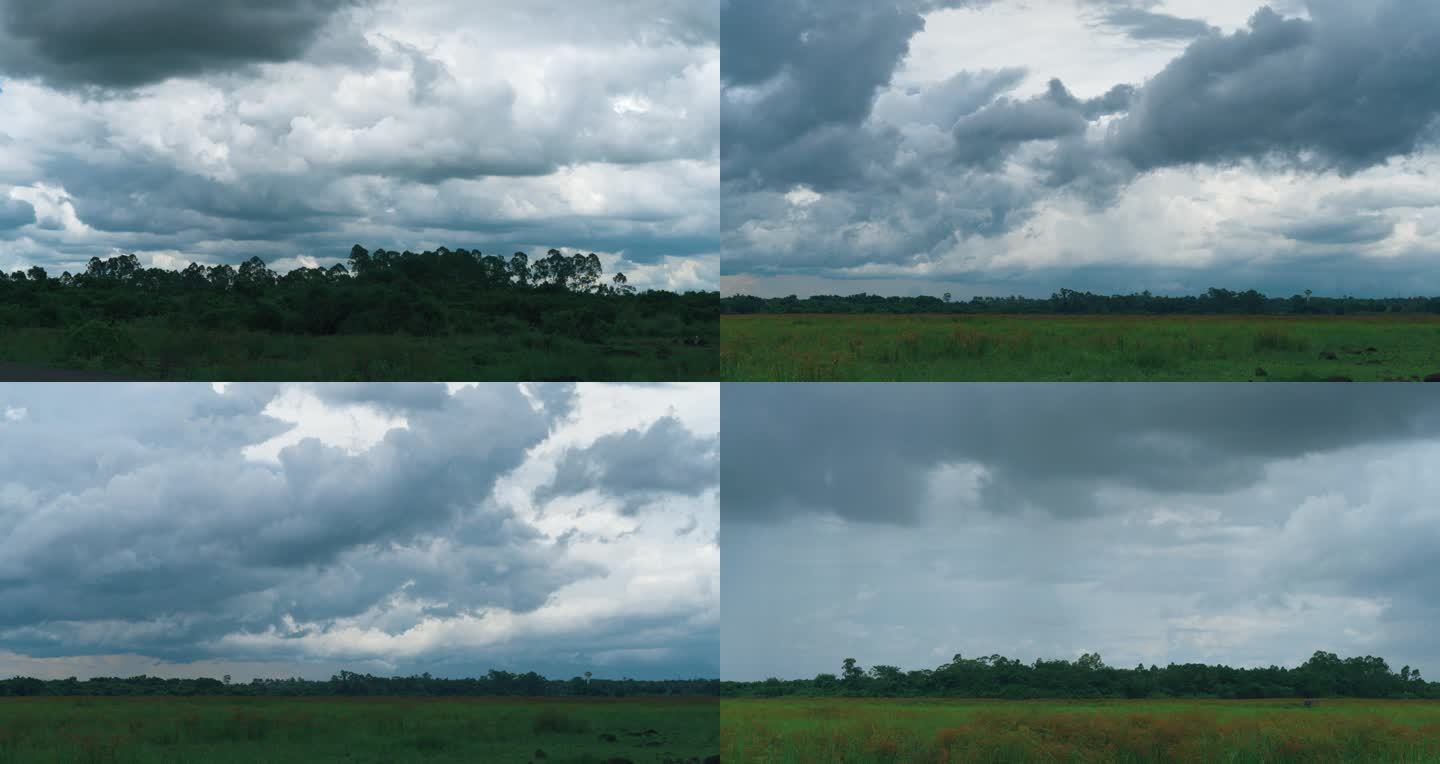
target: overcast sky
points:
(297, 530)
(216, 131)
(1239, 524)
(999, 147)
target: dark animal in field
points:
(1338, 379)
(606, 737)
(1311, 703)
(1433, 378)
(698, 342)
(1371, 350)
(1328, 356)
(1259, 372)
(712, 759)
(540, 754)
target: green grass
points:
(259, 730)
(809, 348)
(156, 353)
(870, 731)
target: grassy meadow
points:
(810, 348)
(862, 731)
(396, 730)
(146, 352)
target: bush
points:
(95, 340)
(552, 720)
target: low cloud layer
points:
(1155, 523)
(1107, 134)
(293, 131)
(390, 528)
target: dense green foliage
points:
(1095, 348)
(1071, 302)
(390, 730)
(994, 676)
(348, 683)
(467, 316)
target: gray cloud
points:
(1360, 230)
(782, 98)
(1142, 24)
(920, 181)
(862, 451)
(15, 213)
(663, 458)
(1346, 85)
(137, 519)
(1248, 525)
(358, 128)
(80, 43)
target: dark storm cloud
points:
(918, 182)
(863, 452)
(1362, 230)
(663, 458)
(800, 79)
(80, 43)
(153, 122)
(1141, 24)
(1347, 89)
(1239, 524)
(15, 213)
(132, 520)
(987, 135)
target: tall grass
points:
(1059, 348)
(232, 730)
(864, 732)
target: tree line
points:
(351, 684)
(381, 292)
(1070, 302)
(994, 676)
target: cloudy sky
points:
(1009, 147)
(295, 530)
(216, 131)
(1240, 524)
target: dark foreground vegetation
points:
(500, 717)
(1067, 302)
(1324, 675)
(463, 730)
(442, 315)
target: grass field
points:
(861, 731)
(155, 353)
(257, 730)
(806, 348)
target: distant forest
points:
(382, 292)
(347, 683)
(1323, 675)
(1070, 302)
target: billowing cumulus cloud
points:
(1218, 523)
(294, 529)
(294, 130)
(1114, 145)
